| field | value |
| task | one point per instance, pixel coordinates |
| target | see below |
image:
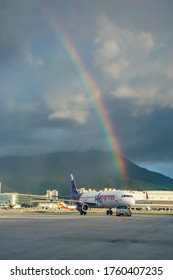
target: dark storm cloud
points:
(126, 47)
(146, 138)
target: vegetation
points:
(92, 169)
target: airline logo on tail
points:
(65, 206)
(74, 189)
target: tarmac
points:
(39, 236)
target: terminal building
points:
(26, 200)
(162, 200)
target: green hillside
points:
(5, 189)
(93, 169)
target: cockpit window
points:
(127, 195)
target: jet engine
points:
(82, 207)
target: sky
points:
(79, 75)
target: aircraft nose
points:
(132, 201)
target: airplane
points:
(16, 206)
(66, 206)
(102, 199)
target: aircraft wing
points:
(68, 199)
(90, 204)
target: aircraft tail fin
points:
(73, 185)
(63, 205)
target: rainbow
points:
(94, 94)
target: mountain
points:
(91, 169)
(5, 189)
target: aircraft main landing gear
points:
(83, 213)
(109, 212)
